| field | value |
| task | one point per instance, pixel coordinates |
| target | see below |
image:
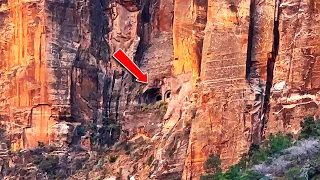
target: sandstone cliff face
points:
(25, 108)
(295, 91)
(231, 73)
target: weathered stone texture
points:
(24, 72)
(261, 37)
(222, 101)
(189, 21)
(295, 92)
(51, 61)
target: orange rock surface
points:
(24, 96)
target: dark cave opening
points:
(158, 97)
(151, 96)
(168, 94)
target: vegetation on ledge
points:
(278, 157)
(160, 108)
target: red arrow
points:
(123, 59)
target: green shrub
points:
(81, 131)
(275, 144)
(160, 108)
(310, 128)
(261, 153)
(249, 175)
(93, 126)
(144, 107)
(278, 142)
(41, 144)
(193, 113)
(216, 176)
(37, 160)
(127, 146)
(240, 172)
(253, 149)
(212, 164)
(50, 148)
(259, 156)
(256, 154)
(61, 175)
(207, 177)
(316, 161)
(233, 172)
(49, 164)
(171, 153)
(150, 160)
(79, 163)
(112, 158)
(113, 126)
(293, 174)
(159, 104)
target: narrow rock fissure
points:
(201, 21)
(145, 14)
(144, 27)
(250, 39)
(270, 66)
(143, 32)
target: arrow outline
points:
(129, 69)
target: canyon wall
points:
(26, 108)
(231, 73)
(295, 89)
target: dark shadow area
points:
(151, 96)
(270, 69)
(145, 15)
(168, 95)
(250, 39)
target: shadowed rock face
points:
(236, 71)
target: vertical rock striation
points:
(295, 90)
(189, 22)
(25, 105)
(222, 100)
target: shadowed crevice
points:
(270, 66)
(250, 39)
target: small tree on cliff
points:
(41, 144)
(212, 165)
(310, 128)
